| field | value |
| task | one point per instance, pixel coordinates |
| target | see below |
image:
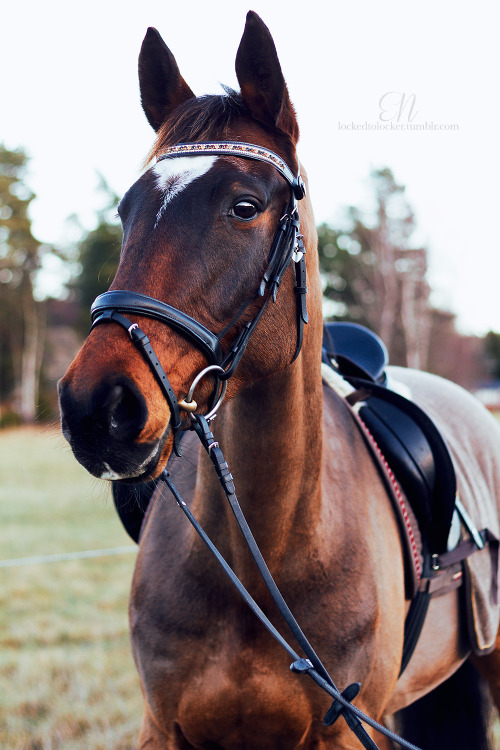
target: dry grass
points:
(67, 679)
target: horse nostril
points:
(124, 410)
(112, 403)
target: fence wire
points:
(63, 556)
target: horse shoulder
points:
(358, 515)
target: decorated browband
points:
(236, 148)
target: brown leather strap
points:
(468, 547)
(464, 549)
(443, 581)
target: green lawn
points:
(67, 679)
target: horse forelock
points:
(200, 118)
(219, 117)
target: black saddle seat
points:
(358, 351)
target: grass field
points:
(67, 678)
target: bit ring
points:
(188, 403)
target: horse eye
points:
(244, 210)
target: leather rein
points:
(287, 246)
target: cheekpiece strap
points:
(143, 344)
(236, 148)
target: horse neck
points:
(271, 437)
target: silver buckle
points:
(134, 325)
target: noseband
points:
(287, 246)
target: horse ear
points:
(263, 87)
(161, 84)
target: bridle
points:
(287, 246)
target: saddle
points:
(409, 440)
(413, 455)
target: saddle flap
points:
(420, 457)
(131, 503)
(407, 452)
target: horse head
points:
(197, 231)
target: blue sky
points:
(69, 96)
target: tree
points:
(98, 256)
(23, 318)
(492, 350)
(375, 277)
(456, 356)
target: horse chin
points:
(150, 469)
(127, 463)
(143, 473)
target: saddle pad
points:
(477, 468)
(477, 471)
(472, 437)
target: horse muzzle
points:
(105, 427)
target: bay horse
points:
(197, 229)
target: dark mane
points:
(206, 117)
